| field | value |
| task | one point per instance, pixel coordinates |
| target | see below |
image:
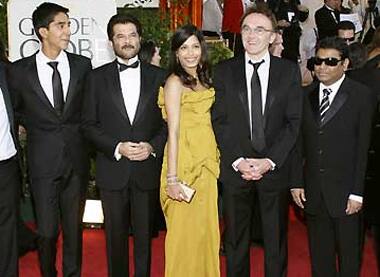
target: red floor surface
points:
(94, 256)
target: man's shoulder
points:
(78, 59)
(228, 63)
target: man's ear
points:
(43, 32)
(272, 37)
(346, 63)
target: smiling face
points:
(56, 36)
(328, 75)
(257, 34)
(189, 54)
(125, 41)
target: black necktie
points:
(325, 103)
(57, 88)
(123, 66)
(257, 135)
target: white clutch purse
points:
(189, 192)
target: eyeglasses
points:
(351, 39)
(328, 61)
(245, 30)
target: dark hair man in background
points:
(346, 31)
(47, 88)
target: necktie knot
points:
(123, 66)
(256, 65)
(326, 92)
(53, 65)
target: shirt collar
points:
(266, 58)
(335, 86)
(329, 8)
(44, 59)
(130, 61)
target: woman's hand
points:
(175, 192)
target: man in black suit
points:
(122, 119)
(256, 118)
(47, 88)
(9, 184)
(334, 141)
(327, 18)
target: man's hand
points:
(353, 207)
(298, 197)
(135, 151)
(247, 171)
(260, 166)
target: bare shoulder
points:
(173, 84)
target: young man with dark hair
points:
(346, 31)
(256, 118)
(333, 147)
(48, 90)
(122, 119)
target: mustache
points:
(128, 46)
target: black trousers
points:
(330, 237)
(120, 208)
(9, 199)
(237, 216)
(59, 201)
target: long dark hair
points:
(179, 38)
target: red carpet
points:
(94, 256)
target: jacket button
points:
(321, 170)
(320, 151)
(320, 132)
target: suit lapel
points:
(273, 81)
(145, 91)
(36, 85)
(74, 76)
(115, 89)
(314, 103)
(6, 96)
(337, 103)
(239, 79)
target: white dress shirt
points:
(7, 145)
(130, 81)
(130, 87)
(334, 90)
(45, 73)
(263, 72)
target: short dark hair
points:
(336, 43)
(263, 9)
(44, 14)
(122, 19)
(346, 25)
(147, 50)
(357, 54)
(203, 70)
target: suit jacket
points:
(326, 24)
(335, 152)
(53, 141)
(282, 119)
(105, 123)
(8, 103)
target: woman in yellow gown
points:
(191, 156)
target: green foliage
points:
(156, 27)
(3, 21)
(218, 51)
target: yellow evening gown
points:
(192, 238)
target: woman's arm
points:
(172, 95)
